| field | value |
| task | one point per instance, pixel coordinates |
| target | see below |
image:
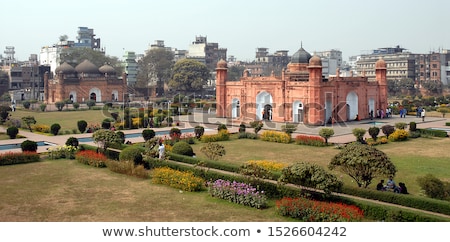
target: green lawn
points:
(67, 119)
(65, 190)
(413, 158)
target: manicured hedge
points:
(13, 158)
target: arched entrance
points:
(114, 96)
(73, 96)
(297, 112)
(95, 94)
(267, 114)
(352, 105)
(371, 108)
(235, 108)
(262, 99)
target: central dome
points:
(301, 56)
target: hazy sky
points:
(352, 26)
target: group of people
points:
(391, 186)
(380, 113)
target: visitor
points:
(390, 185)
(402, 188)
(162, 150)
(422, 114)
(380, 185)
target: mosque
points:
(84, 82)
(301, 94)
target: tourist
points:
(380, 186)
(402, 188)
(162, 150)
(422, 114)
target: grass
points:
(65, 190)
(69, 120)
(413, 158)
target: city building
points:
(131, 67)
(301, 94)
(85, 82)
(205, 52)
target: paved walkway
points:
(343, 131)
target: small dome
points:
(380, 64)
(222, 64)
(86, 67)
(315, 61)
(301, 56)
(107, 69)
(65, 68)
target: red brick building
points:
(85, 82)
(301, 94)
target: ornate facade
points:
(301, 94)
(85, 82)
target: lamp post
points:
(168, 112)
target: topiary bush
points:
(82, 125)
(388, 129)
(132, 153)
(121, 136)
(412, 126)
(373, 132)
(199, 131)
(55, 128)
(29, 145)
(72, 141)
(12, 132)
(222, 126)
(182, 148)
(148, 134)
(242, 128)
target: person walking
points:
(422, 114)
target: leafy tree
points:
(72, 141)
(443, 111)
(213, 150)
(235, 72)
(326, 133)
(199, 131)
(156, 66)
(433, 187)
(362, 163)
(388, 129)
(105, 137)
(29, 120)
(189, 76)
(90, 103)
(310, 175)
(4, 78)
(75, 56)
(4, 113)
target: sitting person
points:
(390, 185)
(380, 186)
(403, 188)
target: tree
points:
(213, 150)
(82, 125)
(362, 163)
(326, 133)
(257, 126)
(374, 131)
(105, 137)
(235, 72)
(155, 68)
(4, 113)
(443, 111)
(310, 175)
(29, 120)
(189, 76)
(359, 134)
(55, 128)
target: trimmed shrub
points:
(72, 141)
(399, 135)
(43, 128)
(12, 132)
(388, 129)
(289, 128)
(12, 158)
(199, 131)
(175, 134)
(26, 104)
(223, 135)
(412, 126)
(242, 128)
(222, 127)
(247, 135)
(312, 140)
(128, 168)
(82, 125)
(55, 129)
(43, 106)
(326, 133)
(29, 145)
(121, 136)
(148, 134)
(132, 153)
(373, 132)
(182, 148)
(401, 125)
(213, 150)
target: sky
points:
(351, 26)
